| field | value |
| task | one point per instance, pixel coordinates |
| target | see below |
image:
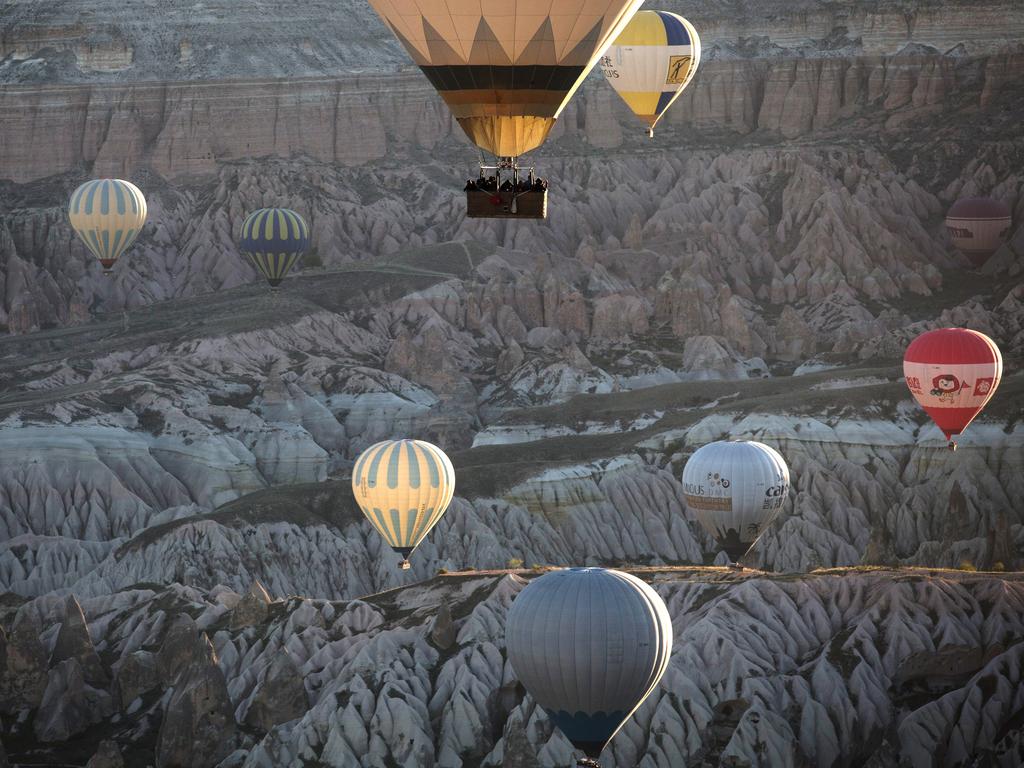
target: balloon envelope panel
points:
(652, 61)
(505, 69)
(952, 373)
(107, 214)
(735, 488)
(589, 645)
(403, 487)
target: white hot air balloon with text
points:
(735, 488)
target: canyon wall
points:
(47, 40)
(186, 129)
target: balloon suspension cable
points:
(650, 133)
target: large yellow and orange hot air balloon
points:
(506, 69)
(403, 488)
(107, 214)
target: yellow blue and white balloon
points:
(651, 62)
(403, 487)
(107, 214)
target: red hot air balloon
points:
(952, 373)
(978, 226)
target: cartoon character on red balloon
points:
(946, 386)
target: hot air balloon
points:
(403, 487)
(651, 62)
(274, 238)
(589, 645)
(978, 226)
(108, 215)
(952, 373)
(506, 70)
(735, 488)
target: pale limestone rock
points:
(795, 339)
(509, 325)
(618, 317)
(74, 642)
(880, 550)
(510, 358)
(178, 649)
(198, 726)
(69, 705)
(545, 337)
(442, 629)
(705, 358)
(280, 695)
(134, 675)
(252, 608)
(24, 677)
(108, 755)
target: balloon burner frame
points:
(486, 199)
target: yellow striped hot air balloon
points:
(403, 487)
(274, 239)
(108, 215)
(651, 62)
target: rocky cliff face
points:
(44, 40)
(656, 268)
(193, 444)
(175, 444)
(831, 668)
(824, 210)
(179, 130)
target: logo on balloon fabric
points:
(946, 386)
(714, 497)
(608, 67)
(716, 480)
(775, 495)
(983, 386)
(678, 69)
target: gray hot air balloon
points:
(735, 488)
(589, 645)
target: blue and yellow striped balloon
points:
(651, 62)
(274, 238)
(108, 215)
(403, 487)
